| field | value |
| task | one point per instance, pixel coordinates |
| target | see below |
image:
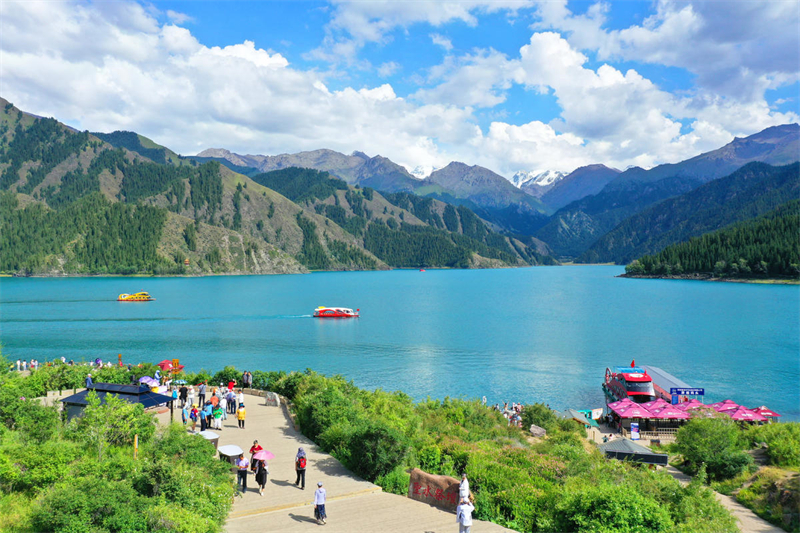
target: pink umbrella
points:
(621, 403)
(765, 411)
(263, 455)
(724, 406)
(691, 404)
(743, 413)
(658, 403)
(635, 411)
(670, 413)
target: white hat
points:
(319, 483)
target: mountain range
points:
(747, 193)
(574, 228)
(78, 202)
(594, 213)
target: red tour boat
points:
(335, 312)
(629, 382)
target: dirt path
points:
(749, 522)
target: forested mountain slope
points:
(72, 202)
(401, 228)
(768, 246)
(747, 193)
(576, 227)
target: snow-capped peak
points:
(423, 171)
(534, 177)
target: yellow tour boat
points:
(138, 297)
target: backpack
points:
(301, 463)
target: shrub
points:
(395, 482)
(380, 450)
(610, 508)
(539, 414)
(226, 375)
(783, 442)
(713, 442)
(91, 504)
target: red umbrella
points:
(165, 364)
(765, 411)
(635, 411)
(743, 413)
(670, 413)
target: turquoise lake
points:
(531, 334)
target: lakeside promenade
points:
(354, 505)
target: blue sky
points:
(508, 84)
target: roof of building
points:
(140, 394)
(623, 448)
(665, 380)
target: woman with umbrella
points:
(261, 457)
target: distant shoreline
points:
(710, 277)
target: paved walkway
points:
(354, 505)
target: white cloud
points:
(441, 40)
(161, 82)
(388, 68)
(178, 18)
(735, 48)
(355, 23)
(117, 67)
(473, 80)
(618, 118)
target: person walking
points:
(201, 393)
(231, 398)
(319, 504)
(261, 476)
(185, 412)
(217, 413)
(464, 516)
(183, 394)
(300, 467)
(240, 415)
(240, 397)
(88, 382)
(223, 404)
(193, 415)
(19, 365)
(190, 395)
(242, 464)
(256, 447)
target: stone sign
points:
(439, 491)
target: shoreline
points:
(116, 275)
(709, 277)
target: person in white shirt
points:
(464, 516)
(240, 397)
(319, 503)
(463, 487)
(224, 404)
(19, 365)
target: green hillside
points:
(402, 229)
(76, 202)
(749, 192)
(766, 247)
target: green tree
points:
(114, 422)
(715, 442)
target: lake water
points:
(530, 334)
